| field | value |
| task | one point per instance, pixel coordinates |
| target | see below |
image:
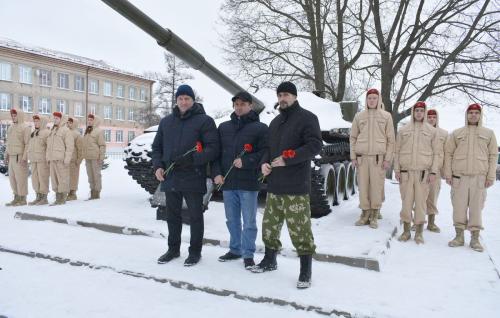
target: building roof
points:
(68, 57)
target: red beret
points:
(57, 114)
(36, 117)
(13, 111)
(420, 105)
(372, 91)
(474, 106)
(91, 116)
(431, 112)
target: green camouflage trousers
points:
(297, 212)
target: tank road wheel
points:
(142, 172)
(340, 185)
(350, 180)
(319, 201)
(328, 171)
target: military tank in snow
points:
(333, 178)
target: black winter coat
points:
(234, 134)
(297, 129)
(176, 135)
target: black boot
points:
(192, 259)
(248, 263)
(268, 263)
(305, 272)
(229, 257)
(168, 256)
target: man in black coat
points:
(174, 144)
(243, 142)
(294, 139)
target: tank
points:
(333, 178)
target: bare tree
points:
(427, 49)
(315, 42)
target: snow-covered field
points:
(432, 280)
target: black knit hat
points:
(287, 87)
(185, 90)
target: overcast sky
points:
(90, 28)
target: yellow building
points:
(41, 81)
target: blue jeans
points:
(238, 203)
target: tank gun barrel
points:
(175, 45)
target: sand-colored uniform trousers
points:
(295, 209)
(435, 187)
(37, 155)
(372, 142)
(40, 173)
(468, 194)
(59, 176)
(76, 160)
(371, 179)
(94, 174)
(60, 148)
(18, 175)
(414, 190)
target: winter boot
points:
(192, 259)
(419, 237)
(229, 257)
(249, 263)
(11, 203)
(374, 218)
(406, 233)
(97, 194)
(43, 200)
(413, 227)
(58, 199)
(474, 242)
(168, 256)
(268, 263)
(431, 226)
(71, 195)
(34, 202)
(459, 238)
(21, 201)
(379, 216)
(305, 272)
(363, 218)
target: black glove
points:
(184, 162)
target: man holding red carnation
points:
(294, 139)
(243, 141)
(185, 143)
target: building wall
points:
(119, 113)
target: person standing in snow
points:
(186, 142)
(94, 152)
(37, 156)
(60, 148)
(416, 162)
(243, 141)
(294, 139)
(16, 155)
(76, 158)
(470, 162)
(435, 187)
(372, 149)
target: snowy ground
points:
(432, 280)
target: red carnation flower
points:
(199, 146)
(288, 154)
(248, 147)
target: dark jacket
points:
(234, 134)
(298, 129)
(178, 134)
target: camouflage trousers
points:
(295, 209)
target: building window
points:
(79, 83)
(3, 131)
(120, 91)
(25, 74)
(61, 106)
(108, 89)
(26, 104)
(92, 109)
(107, 135)
(45, 78)
(131, 114)
(63, 81)
(131, 135)
(5, 101)
(94, 86)
(119, 136)
(5, 71)
(131, 93)
(119, 113)
(78, 110)
(44, 106)
(108, 112)
(143, 94)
